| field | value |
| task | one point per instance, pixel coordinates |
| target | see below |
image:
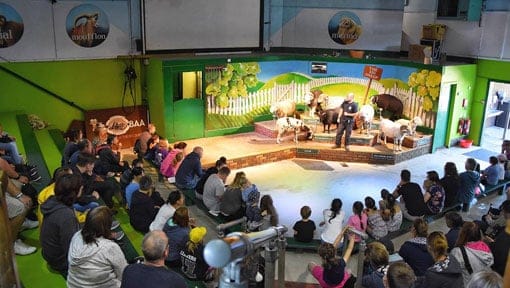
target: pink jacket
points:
(355, 222)
(167, 168)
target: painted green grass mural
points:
(342, 89)
(287, 78)
(217, 121)
(392, 82)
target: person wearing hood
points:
(471, 252)
(190, 171)
(177, 230)
(60, 222)
(469, 181)
(446, 270)
(145, 204)
(414, 251)
(94, 259)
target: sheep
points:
(364, 117)
(83, 34)
(292, 124)
(284, 108)
(412, 124)
(314, 100)
(394, 130)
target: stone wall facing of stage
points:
(328, 154)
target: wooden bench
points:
(500, 188)
(293, 244)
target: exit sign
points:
(372, 72)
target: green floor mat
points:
(51, 155)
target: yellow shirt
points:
(46, 193)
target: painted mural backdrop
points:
(237, 93)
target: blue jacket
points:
(177, 238)
(469, 180)
(414, 252)
(189, 172)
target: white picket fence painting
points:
(296, 92)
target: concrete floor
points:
(291, 187)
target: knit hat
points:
(197, 234)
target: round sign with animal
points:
(87, 25)
(345, 27)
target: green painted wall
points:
(488, 70)
(464, 77)
(158, 112)
(90, 84)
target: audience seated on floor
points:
(232, 205)
(414, 251)
(83, 146)
(358, 220)
(445, 270)
(400, 275)
(490, 175)
(253, 213)
(412, 203)
(392, 215)
(493, 222)
(9, 146)
(166, 212)
(172, 161)
(152, 272)
(193, 263)
(501, 245)
(60, 223)
(376, 226)
(199, 190)
(434, 193)
(332, 272)
(453, 221)
(177, 230)
(94, 259)
(485, 279)
(268, 212)
(152, 149)
(333, 221)
(190, 170)
(143, 140)
(145, 204)
(505, 164)
(214, 188)
(451, 184)
(136, 174)
(469, 182)
(126, 177)
(109, 162)
(471, 252)
(375, 266)
(73, 138)
(304, 229)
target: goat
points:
(412, 124)
(394, 130)
(292, 124)
(364, 117)
(83, 34)
(328, 117)
(314, 100)
(284, 108)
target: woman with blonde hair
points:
(446, 270)
(232, 205)
(376, 263)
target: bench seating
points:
(500, 188)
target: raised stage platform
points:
(260, 147)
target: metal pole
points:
(506, 125)
(270, 255)
(282, 243)
(361, 260)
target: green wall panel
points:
(158, 112)
(90, 84)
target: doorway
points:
(497, 115)
(188, 104)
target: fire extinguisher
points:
(467, 124)
(461, 126)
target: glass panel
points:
(187, 85)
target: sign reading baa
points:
(345, 27)
(119, 125)
(87, 25)
(11, 26)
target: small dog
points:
(292, 124)
(348, 31)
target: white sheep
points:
(412, 124)
(364, 118)
(292, 124)
(394, 130)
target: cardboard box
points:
(433, 31)
(435, 45)
(417, 52)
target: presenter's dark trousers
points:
(344, 125)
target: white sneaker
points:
(21, 248)
(115, 225)
(259, 277)
(214, 213)
(29, 224)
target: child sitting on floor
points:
(304, 228)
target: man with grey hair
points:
(152, 272)
(190, 171)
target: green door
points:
(448, 91)
(188, 105)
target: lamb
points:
(394, 130)
(284, 108)
(412, 124)
(364, 117)
(314, 100)
(292, 124)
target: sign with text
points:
(372, 72)
(127, 125)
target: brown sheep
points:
(10, 32)
(83, 34)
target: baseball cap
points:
(197, 234)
